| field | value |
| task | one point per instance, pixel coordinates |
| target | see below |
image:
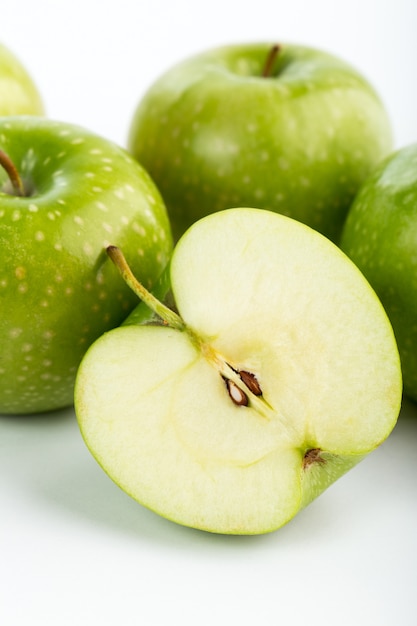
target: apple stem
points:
(166, 314)
(272, 55)
(11, 170)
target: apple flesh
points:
(279, 374)
(18, 93)
(380, 235)
(58, 289)
(296, 134)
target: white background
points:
(76, 550)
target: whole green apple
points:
(275, 372)
(285, 128)
(65, 194)
(380, 235)
(18, 93)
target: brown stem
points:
(270, 59)
(11, 170)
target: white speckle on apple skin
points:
(102, 206)
(15, 333)
(77, 141)
(139, 229)
(39, 236)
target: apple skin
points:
(214, 134)
(380, 236)
(58, 289)
(18, 93)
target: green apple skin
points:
(260, 292)
(18, 93)
(214, 134)
(58, 289)
(380, 235)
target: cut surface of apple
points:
(280, 375)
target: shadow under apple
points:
(45, 458)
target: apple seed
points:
(251, 382)
(238, 396)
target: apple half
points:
(278, 374)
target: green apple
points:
(285, 128)
(18, 93)
(380, 235)
(65, 194)
(278, 373)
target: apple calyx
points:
(243, 387)
(7, 164)
(270, 59)
(313, 456)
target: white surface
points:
(73, 548)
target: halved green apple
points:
(279, 373)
